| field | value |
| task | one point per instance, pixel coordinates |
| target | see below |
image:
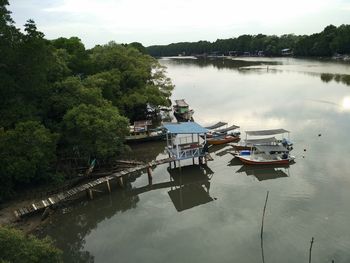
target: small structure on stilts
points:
(184, 141)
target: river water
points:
(214, 213)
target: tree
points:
(27, 154)
(94, 132)
(67, 94)
(78, 58)
(16, 247)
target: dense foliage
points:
(16, 247)
(326, 43)
(60, 101)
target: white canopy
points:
(266, 132)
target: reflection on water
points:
(192, 184)
(264, 172)
(189, 215)
(342, 78)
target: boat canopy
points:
(181, 103)
(266, 132)
(216, 125)
(232, 127)
(261, 141)
(185, 128)
(271, 148)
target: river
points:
(214, 213)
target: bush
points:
(16, 247)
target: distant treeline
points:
(330, 41)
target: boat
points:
(182, 112)
(266, 155)
(248, 144)
(216, 133)
(140, 132)
(216, 140)
(146, 137)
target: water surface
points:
(213, 213)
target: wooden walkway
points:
(66, 195)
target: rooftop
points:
(185, 128)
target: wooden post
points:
(45, 214)
(121, 182)
(108, 186)
(89, 193)
(310, 251)
(149, 173)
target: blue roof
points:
(185, 128)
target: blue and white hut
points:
(186, 140)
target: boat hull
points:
(224, 140)
(184, 117)
(248, 160)
(141, 138)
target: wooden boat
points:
(140, 132)
(145, 137)
(182, 112)
(216, 140)
(266, 155)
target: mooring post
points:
(45, 214)
(108, 186)
(121, 182)
(89, 193)
(149, 173)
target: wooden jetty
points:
(88, 187)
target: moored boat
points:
(140, 132)
(182, 112)
(216, 140)
(266, 155)
(248, 144)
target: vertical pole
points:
(120, 181)
(108, 186)
(89, 193)
(149, 173)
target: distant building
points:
(261, 53)
(287, 52)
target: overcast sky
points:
(166, 21)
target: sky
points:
(158, 22)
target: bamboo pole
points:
(108, 186)
(262, 229)
(310, 250)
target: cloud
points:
(165, 21)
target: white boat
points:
(266, 154)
